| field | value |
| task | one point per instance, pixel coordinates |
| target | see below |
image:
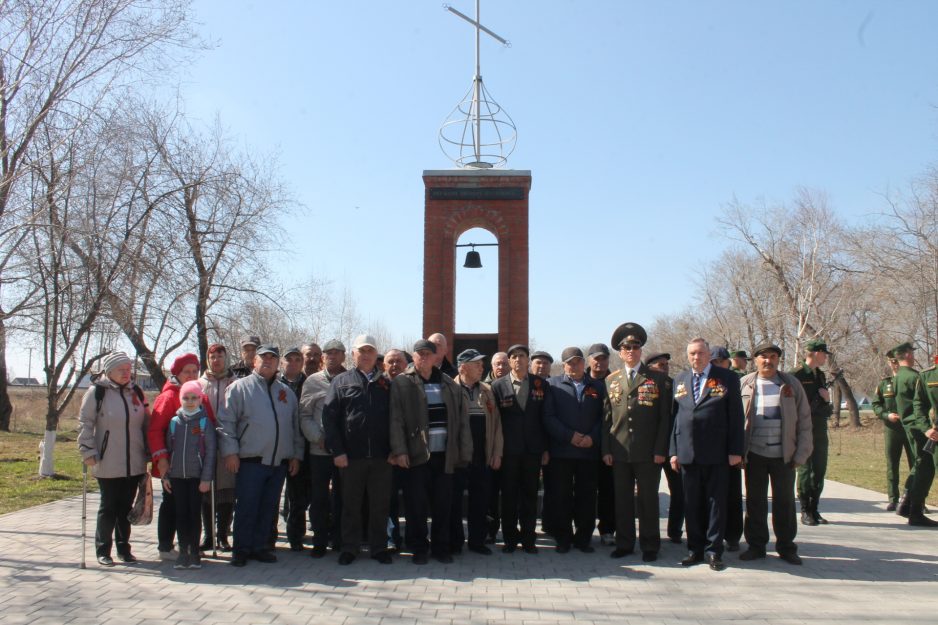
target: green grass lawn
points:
(20, 484)
(857, 457)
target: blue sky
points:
(638, 121)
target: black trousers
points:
(520, 475)
(166, 521)
(398, 479)
(188, 513)
(647, 476)
(760, 471)
(365, 478)
(676, 503)
(705, 506)
(117, 497)
(571, 492)
(494, 515)
(296, 503)
(428, 492)
(325, 502)
(477, 479)
(734, 505)
(605, 499)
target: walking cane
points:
(214, 525)
(84, 508)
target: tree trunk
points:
(47, 454)
(835, 404)
(6, 407)
(847, 393)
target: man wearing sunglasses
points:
(637, 415)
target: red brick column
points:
(494, 200)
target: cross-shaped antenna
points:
(477, 88)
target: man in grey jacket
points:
(778, 440)
(261, 443)
(324, 513)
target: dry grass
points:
(858, 457)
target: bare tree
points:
(59, 60)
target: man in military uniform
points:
(636, 420)
(912, 405)
(884, 406)
(811, 474)
(740, 360)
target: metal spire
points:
(477, 111)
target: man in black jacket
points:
(523, 400)
(356, 421)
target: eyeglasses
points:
(630, 347)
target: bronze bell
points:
(473, 260)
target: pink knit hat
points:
(192, 386)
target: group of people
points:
(352, 444)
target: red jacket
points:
(165, 406)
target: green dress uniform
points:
(884, 404)
(912, 404)
(811, 474)
(738, 372)
(635, 429)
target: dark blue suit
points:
(705, 434)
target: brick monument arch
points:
(455, 201)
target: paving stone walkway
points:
(867, 566)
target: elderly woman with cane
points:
(112, 441)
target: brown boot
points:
(903, 508)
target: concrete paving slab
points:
(866, 566)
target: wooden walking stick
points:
(84, 508)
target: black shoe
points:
(562, 549)
(715, 562)
(205, 546)
(807, 518)
(127, 558)
(105, 561)
(790, 558)
(819, 520)
(481, 550)
(383, 557)
(532, 549)
(918, 519)
(420, 558)
(586, 548)
(732, 545)
(296, 546)
(318, 551)
(223, 544)
(267, 557)
(509, 548)
(346, 558)
(692, 559)
(675, 539)
(238, 559)
(891, 506)
(649, 556)
(443, 558)
(489, 540)
(751, 554)
(621, 553)
(195, 561)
